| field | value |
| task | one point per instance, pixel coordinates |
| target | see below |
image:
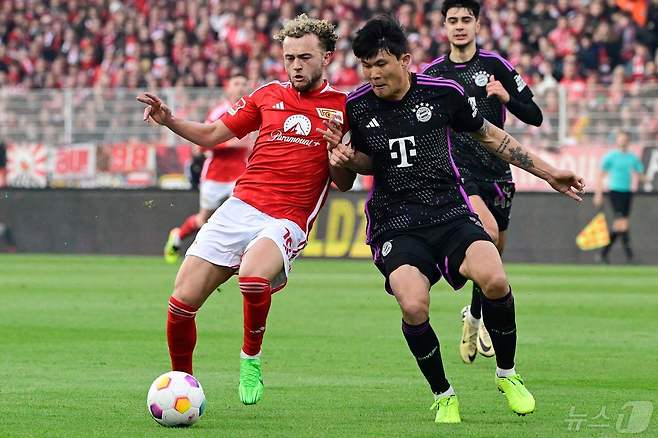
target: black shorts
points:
(436, 251)
(621, 203)
(497, 196)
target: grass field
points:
(81, 339)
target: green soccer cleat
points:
(448, 409)
(518, 397)
(251, 381)
(171, 250)
(485, 347)
(467, 348)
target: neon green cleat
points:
(518, 397)
(467, 348)
(171, 250)
(251, 381)
(485, 347)
(448, 409)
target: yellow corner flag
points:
(594, 235)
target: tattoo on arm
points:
(522, 158)
(503, 144)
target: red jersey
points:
(226, 163)
(287, 174)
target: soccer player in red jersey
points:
(225, 163)
(259, 230)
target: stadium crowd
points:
(149, 44)
(156, 43)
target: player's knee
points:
(185, 293)
(414, 311)
(495, 286)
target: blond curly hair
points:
(303, 25)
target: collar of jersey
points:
(452, 63)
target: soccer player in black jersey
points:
(421, 225)
(495, 86)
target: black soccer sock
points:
(499, 319)
(606, 249)
(626, 241)
(476, 301)
(424, 345)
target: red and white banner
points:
(27, 165)
(74, 162)
(132, 157)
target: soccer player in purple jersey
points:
(495, 86)
(421, 225)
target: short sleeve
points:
(465, 116)
(243, 117)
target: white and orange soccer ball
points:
(176, 399)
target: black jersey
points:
(474, 161)
(416, 181)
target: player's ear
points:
(328, 56)
(405, 60)
(477, 26)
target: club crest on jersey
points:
(423, 112)
(481, 78)
(387, 248)
(326, 113)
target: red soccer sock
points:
(189, 227)
(257, 297)
(181, 334)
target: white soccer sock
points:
(445, 393)
(244, 355)
(505, 373)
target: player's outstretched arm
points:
(207, 135)
(509, 149)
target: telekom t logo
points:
(403, 149)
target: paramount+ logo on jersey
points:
(296, 129)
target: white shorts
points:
(213, 193)
(235, 227)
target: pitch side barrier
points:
(543, 226)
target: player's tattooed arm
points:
(509, 149)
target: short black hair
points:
(471, 5)
(380, 33)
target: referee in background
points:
(619, 165)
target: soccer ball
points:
(176, 399)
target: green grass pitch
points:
(81, 339)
